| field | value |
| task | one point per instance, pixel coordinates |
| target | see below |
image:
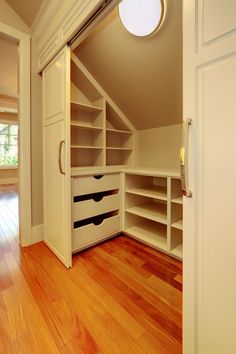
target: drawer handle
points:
(98, 176)
(98, 221)
(98, 198)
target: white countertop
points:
(146, 171)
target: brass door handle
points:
(59, 157)
(184, 158)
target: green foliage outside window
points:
(8, 145)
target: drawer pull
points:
(98, 176)
(96, 220)
(98, 197)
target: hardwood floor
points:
(119, 297)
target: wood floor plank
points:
(120, 296)
(42, 339)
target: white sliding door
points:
(210, 216)
(56, 125)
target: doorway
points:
(22, 97)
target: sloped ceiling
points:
(142, 75)
(26, 9)
(8, 67)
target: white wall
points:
(159, 147)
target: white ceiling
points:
(26, 9)
(142, 75)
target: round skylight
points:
(141, 17)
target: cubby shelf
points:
(178, 251)
(97, 123)
(178, 200)
(151, 211)
(178, 224)
(81, 107)
(156, 192)
(151, 234)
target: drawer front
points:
(88, 235)
(88, 208)
(92, 184)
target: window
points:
(141, 17)
(8, 145)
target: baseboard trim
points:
(37, 234)
(8, 181)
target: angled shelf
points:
(117, 131)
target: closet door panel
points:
(209, 216)
(57, 194)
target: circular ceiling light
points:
(141, 17)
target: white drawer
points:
(88, 208)
(93, 184)
(90, 234)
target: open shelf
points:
(87, 137)
(157, 201)
(156, 192)
(77, 125)
(149, 232)
(86, 156)
(81, 107)
(86, 147)
(176, 245)
(178, 224)
(178, 251)
(152, 211)
(97, 123)
(118, 157)
(178, 200)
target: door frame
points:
(24, 165)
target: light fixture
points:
(141, 17)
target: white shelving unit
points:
(101, 135)
(153, 210)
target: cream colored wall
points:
(158, 147)
(142, 75)
(10, 18)
(8, 68)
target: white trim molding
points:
(37, 233)
(23, 40)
